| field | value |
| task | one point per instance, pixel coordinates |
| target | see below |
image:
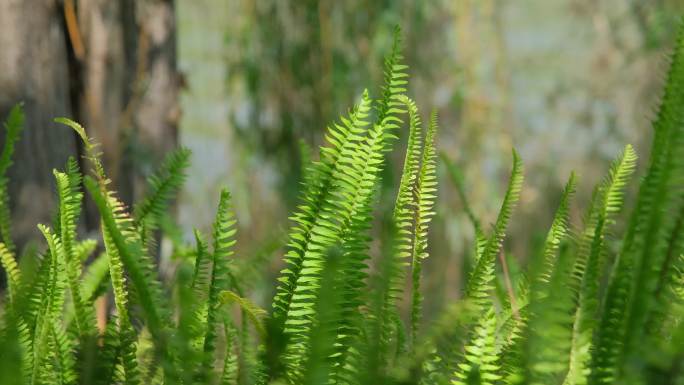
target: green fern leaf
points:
(480, 282)
(162, 186)
(13, 127)
(70, 198)
(221, 276)
(426, 188)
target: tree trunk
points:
(108, 64)
(34, 68)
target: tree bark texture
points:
(108, 64)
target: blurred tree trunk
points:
(109, 64)
(34, 68)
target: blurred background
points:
(250, 85)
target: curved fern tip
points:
(74, 125)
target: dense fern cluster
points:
(582, 314)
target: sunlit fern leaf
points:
(125, 239)
(387, 321)
(229, 375)
(162, 186)
(125, 251)
(390, 106)
(425, 194)
(480, 364)
(126, 334)
(347, 193)
(403, 215)
(316, 191)
(13, 274)
(224, 239)
(70, 197)
(344, 139)
(15, 337)
(480, 282)
(48, 315)
(13, 127)
(348, 220)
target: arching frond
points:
(480, 282)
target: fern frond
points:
(590, 263)
(84, 249)
(70, 197)
(162, 186)
(230, 371)
(13, 274)
(92, 152)
(481, 362)
(330, 219)
(254, 313)
(661, 196)
(96, 279)
(630, 294)
(13, 127)
(558, 231)
(403, 215)
(480, 282)
(549, 332)
(52, 300)
(201, 277)
(65, 365)
(342, 139)
(221, 276)
(146, 287)
(426, 188)
(390, 106)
